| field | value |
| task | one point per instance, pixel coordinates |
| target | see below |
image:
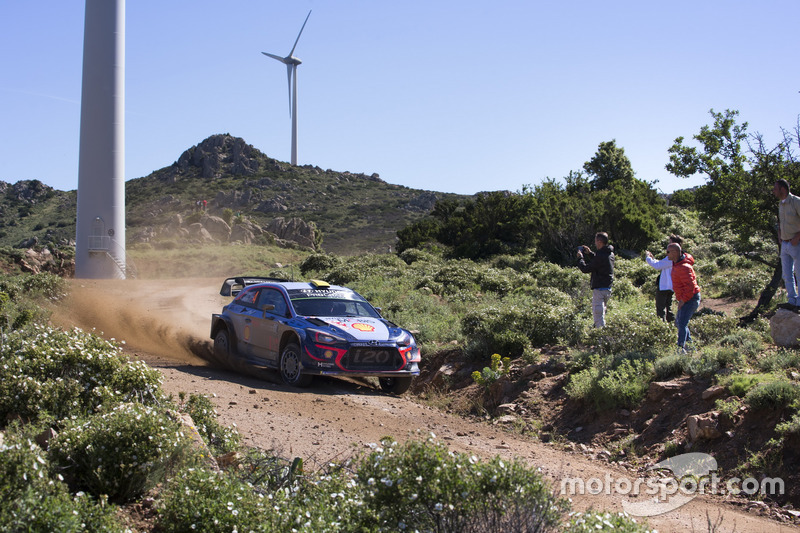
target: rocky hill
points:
(244, 196)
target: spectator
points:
(789, 236)
(601, 267)
(664, 282)
(687, 292)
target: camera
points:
(580, 248)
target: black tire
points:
(397, 385)
(291, 368)
(222, 348)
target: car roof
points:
(232, 286)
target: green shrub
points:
(671, 366)
(499, 367)
(421, 485)
(607, 388)
(122, 453)
(519, 323)
(415, 255)
(47, 371)
(712, 358)
(202, 500)
(709, 328)
(320, 263)
(218, 438)
(740, 384)
(632, 329)
(636, 271)
(35, 499)
(777, 394)
(592, 521)
(568, 280)
(781, 359)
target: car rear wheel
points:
(292, 369)
(397, 385)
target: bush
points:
(499, 367)
(423, 486)
(592, 521)
(122, 453)
(708, 328)
(36, 500)
(321, 263)
(774, 395)
(218, 438)
(671, 366)
(202, 500)
(632, 329)
(607, 388)
(740, 384)
(48, 371)
(519, 323)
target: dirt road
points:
(166, 323)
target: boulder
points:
(294, 229)
(703, 426)
(218, 228)
(784, 327)
(659, 389)
(241, 233)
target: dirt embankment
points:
(166, 323)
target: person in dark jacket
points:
(600, 265)
(687, 292)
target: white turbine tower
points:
(291, 63)
(100, 233)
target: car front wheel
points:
(291, 367)
(397, 385)
(222, 347)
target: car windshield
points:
(332, 307)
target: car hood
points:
(360, 327)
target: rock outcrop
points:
(785, 328)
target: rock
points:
(784, 327)
(43, 439)
(712, 393)
(241, 233)
(506, 408)
(703, 426)
(507, 419)
(529, 370)
(218, 228)
(294, 229)
(659, 389)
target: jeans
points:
(790, 257)
(599, 300)
(682, 318)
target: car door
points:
(268, 324)
(241, 312)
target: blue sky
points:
(455, 96)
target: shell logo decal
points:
(363, 327)
(247, 333)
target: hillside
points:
(354, 212)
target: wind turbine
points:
(291, 63)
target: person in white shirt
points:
(664, 291)
(789, 235)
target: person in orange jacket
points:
(687, 292)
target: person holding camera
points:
(600, 266)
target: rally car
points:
(312, 328)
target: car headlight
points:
(404, 339)
(326, 338)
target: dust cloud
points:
(169, 318)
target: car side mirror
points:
(267, 307)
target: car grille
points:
(372, 358)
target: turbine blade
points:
(273, 56)
(289, 71)
(299, 34)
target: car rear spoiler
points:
(233, 286)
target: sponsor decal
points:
(247, 333)
(363, 327)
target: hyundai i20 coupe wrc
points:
(311, 328)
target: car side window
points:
(273, 297)
(247, 297)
